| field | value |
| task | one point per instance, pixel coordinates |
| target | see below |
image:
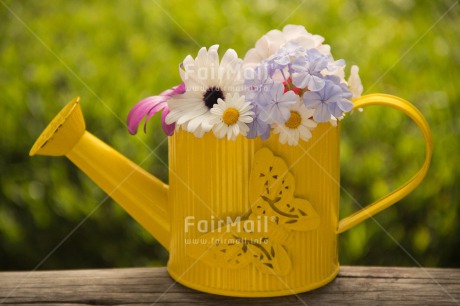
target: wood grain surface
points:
(153, 286)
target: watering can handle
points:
(390, 199)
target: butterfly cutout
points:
(272, 200)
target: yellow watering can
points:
(247, 218)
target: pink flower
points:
(148, 107)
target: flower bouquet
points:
(286, 85)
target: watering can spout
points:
(142, 195)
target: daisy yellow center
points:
(294, 120)
(230, 116)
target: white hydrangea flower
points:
(271, 42)
(354, 82)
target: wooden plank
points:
(147, 286)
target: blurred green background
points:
(114, 53)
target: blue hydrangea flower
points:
(279, 65)
(334, 65)
(308, 70)
(332, 99)
(278, 107)
(258, 87)
(258, 127)
(284, 54)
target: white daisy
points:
(299, 125)
(206, 81)
(231, 117)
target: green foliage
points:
(115, 53)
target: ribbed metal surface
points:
(210, 177)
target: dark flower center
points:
(211, 95)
